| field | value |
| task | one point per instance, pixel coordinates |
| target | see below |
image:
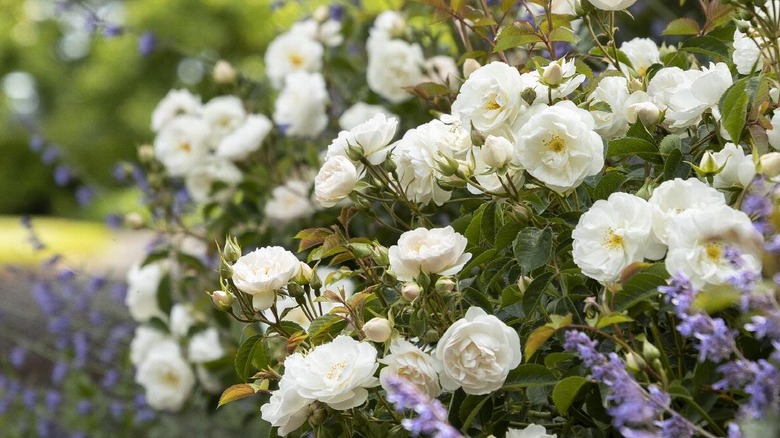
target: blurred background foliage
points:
(90, 94)
(86, 97)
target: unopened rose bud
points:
(232, 250)
(378, 329)
(552, 74)
(646, 112)
(134, 220)
(389, 279)
(225, 270)
(634, 362)
(304, 274)
(410, 291)
(447, 166)
(529, 96)
(146, 153)
(477, 137)
(470, 66)
(314, 281)
(444, 285)
(497, 151)
(223, 72)
(222, 300)
(295, 290)
(770, 164)
(650, 351)
(708, 167)
(355, 152)
(523, 282)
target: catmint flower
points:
(17, 357)
(146, 43)
(432, 419)
(59, 372)
(53, 400)
(84, 407)
(112, 30)
(50, 155)
(37, 143)
(84, 195)
(62, 175)
(715, 339)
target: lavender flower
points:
(680, 292)
(432, 419)
(715, 339)
(146, 43)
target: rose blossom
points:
(175, 103)
(145, 339)
(642, 52)
(292, 52)
(476, 353)
(335, 180)
(613, 234)
(411, 363)
(373, 136)
(704, 244)
(201, 178)
(336, 373)
(300, 108)
(205, 347)
(223, 114)
(142, 284)
(286, 409)
(739, 168)
(392, 66)
(264, 271)
(289, 201)
(612, 91)
(435, 251)
(559, 146)
(166, 377)
(612, 5)
(361, 112)
(773, 133)
(245, 139)
(673, 197)
(530, 431)
(182, 144)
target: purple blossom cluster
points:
(635, 412)
(86, 334)
(432, 415)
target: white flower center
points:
(714, 251)
(556, 144)
(296, 60)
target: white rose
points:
(530, 431)
(182, 144)
(476, 353)
(739, 168)
(559, 147)
(335, 180)
(373, 136)
(565, 80)
(336, 373)
(411, 363)
(142, 284)
(181, 320)
(362, 112)
(286, 409)
(442, 70)
(300, 108)
(328, 32)
(436, 251)
(166, 377)
(420, 152)
(489, 179)
(289, 202)
(642, 52)
(686, 95)
(264, 271)
(292, 52)
(201, 178)
(145, 339)
(612, 91)
(245, 139)
(392, 66)
(175, 103)
(673, 197)
(389, 23)
(205, 347)
(612, 5)
(491, 101)
(613, 234)
(700, 242)
(773, 133)
(224, 114)
(746, 54)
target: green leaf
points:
(607, 185)
(506, 235)
(470, 408)
(534, 291)
(615, 318)
(553, 359)
(427, 89)
(533, 248)
(633, 146)
(517, 34)
(237, 392)
(709, 46)
(682, 26)
(474, 230)
(536, 339)
(565, 392)
(641, 286)
(669, 144)
(675, 166)
(478, 260)
(325, 328)
(488, 223)
(529, 375)
(252, 356)
(735, 103)
(506, 5)
(563, 34)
